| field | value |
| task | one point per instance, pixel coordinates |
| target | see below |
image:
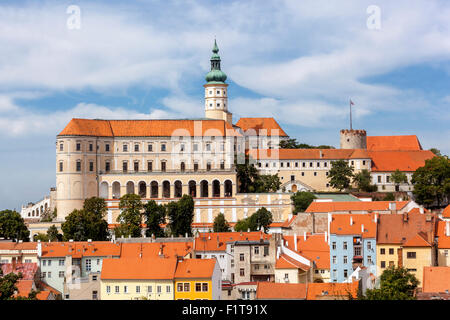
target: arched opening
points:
(130, 187)
(104, 190)
(204, 189)
(154, 189)
(228, 188)
(193, 189)
(166, 189)
(178, 189)
(37, 212)
(216, 188)
(116, 190)
(142, 189)
(33, 214)
(46, 206)
(42, 209)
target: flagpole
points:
(350, 114)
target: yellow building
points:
(198, 279)
(138, 278)
(22, 252)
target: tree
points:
(398, 178)
(41, 237)
(260, 219)
(8, 285)
(340, 175)
(220, 224)
(293, 144)
(12, 226)
(130, 218)
(436, 151)
(48, 215)
(96, 206)
(242, 225)
(302, 200)
(395, 284)
(53, 234)
(267, 183)
(432, 182)
(389, 197)
(246, 174)
(363, 180)
(181, 215)
(155, 216)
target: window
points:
(195, 148)
(149, 289)
(163, 166)
(242, 272)
(187, 287)
(379, 179)
(325, 164)
(49, 274)
(345, 273)
(163, 147)
(125, 166)
(91, 166)
(345, 259)
(94, 295)
(107, 166)
(196, 166)
(149, 166)
(310, 164)
(117, 289)
(256, 250)
(222, 165)
(205, 287)
(44, 262)
(315, 174)
(78, 165)
(158, 289)
(182, 147)
(304, 164)
(94, 278)
(107, 147)
(150, 148)
(318, 164)
(364, 162)
(125, 289)
(27, 260)
(61, 274)
(411, 255)
(369, 245)
(292, 177)
(357, 251)
(208, 166)
(391, 251)
(108, 289)
(388, 178)
(333, 245)
(61, 262)
(282, 164)
(198, 287)
(136, 166)
(44, 274)
(303, 174)
(334, 259)
(78, 146)
(167, 289)
(369, 260)
(125, 148)
(446, 253)
(288, 164)
(241, 257)
(88, 264)
(345, 245)
(136, 148)
(382, 251)
(138, 289)
(383, 264)
(49, 263)
(61, 147)
(60, 167)
(391, 263)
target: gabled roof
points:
(417, 241)
(195, 268)
(28, 270)
(217, 241)
(148, 128)
(347, 206)
(436, 279)
(393, 143)
(351, 224)
(446, 212)
(402, 160)
(284, 291)
(80, 249)
(153, 249)
(138, 269)
(318, 291)
(307, 154)
(443, 240)
(18, 245)
(252, 126)
(286, 262)
(315, 248)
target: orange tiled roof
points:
(446, 212)
(28, 270)
(18, 246)
(443, 240)
(340, 224)
(258, 124)
(285, 291)
(153, 249)
(286, 262)
(308, 154)
(195, 268)
(24, 287)
(79, 249)
(155, 268)
(417, 241)
(217, 241)
(402, 160)
(316, 291)
(43, 295)
(436, 279)
(147, 128)
(338, 206)
(393, 143)
(315, 248)
(393, 229)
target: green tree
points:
(221, 224)
(12, 226)
(40, 236)
(340, 175)
(395, 284)
(8, 285)
(53, 234)
(389, 197)
(48, 215)
(96, 206)
(130, 218)
(302, 200)
(363, 180)
(181, 215)
(242, 225)
(155, 216)
(246, 174)
(432, 182)
(436, 151)
(293, 144)
(81, 225)
(260, 219)
(398, 178)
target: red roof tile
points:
(217, 241)
(286, 262)
(79, 249)
(436, 279)
(393, 143)
(315, 248)
(383, 161)
(318, 291)
(284, 291)
(195, 268)
(347, 206)
(142, 269)
(446, 212)
(308, 154)
(443, 240)
(340, 224)
(257, 124)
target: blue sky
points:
(296, 60)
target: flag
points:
(351, 102)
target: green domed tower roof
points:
(215, 75)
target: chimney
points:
(320, 154)
(351, 221)
(375, 218)
(218, 245)
(39, 248)
(362, 228)
(392, 206)
(304, 235)
(447, 228)
(186, 235)
(71, 240)
(295, 241)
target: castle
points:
(163, 159)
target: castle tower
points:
(353, 139)
(216, 99)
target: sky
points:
(299, 61)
